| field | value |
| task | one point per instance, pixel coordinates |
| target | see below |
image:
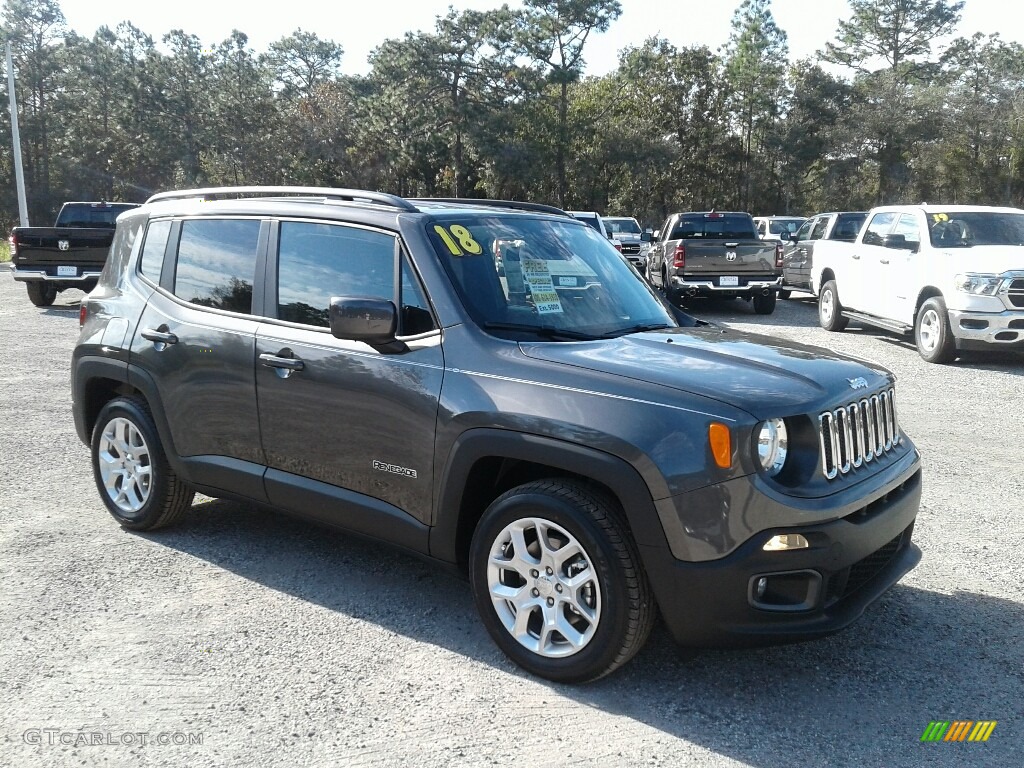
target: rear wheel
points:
(785, 294)
(830, 311)
(932, 333)
(136, 483)
(764, 304)
(41, 293)
(558, 582)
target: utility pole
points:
(19, 174)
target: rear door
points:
(197, 339)
(800, 253)
(338, 416)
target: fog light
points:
(762, 585)
(785, 541)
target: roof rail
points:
(487, 202)
(215, 193)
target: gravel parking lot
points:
(275, 642)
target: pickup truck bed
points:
(719, 254)
(70, 254)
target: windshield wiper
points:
(547, 331)
(636, 329)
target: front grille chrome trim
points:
(858, 433)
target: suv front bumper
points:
(850, 563)
(986, 330)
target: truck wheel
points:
(932, 333)
(785, 294)
(830, 311)
(558, 582)
(41, 293)
(135, 481)
(764, 304)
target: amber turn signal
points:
(721, 444)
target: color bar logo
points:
(958, 730)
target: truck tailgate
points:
(729, 256)
(43, 246)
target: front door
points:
(340, 413)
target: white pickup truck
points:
(952, 275)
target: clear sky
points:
(360, 26)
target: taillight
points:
(679, 256)
(778, 254)
(617, 246)
(82, 312)
(13, 242)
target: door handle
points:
(856, 256)
(159, 337)
(287, 363)
(883, 261)
(731, 245)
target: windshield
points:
(962, 229)
(543, 277)
(622, 226)
(778, 226)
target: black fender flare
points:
(611, 471)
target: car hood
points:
(989, 259)
(762, 375)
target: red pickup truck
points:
(70, 254)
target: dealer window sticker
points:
(537, 275)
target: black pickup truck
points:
(70, 254)
(716, 253)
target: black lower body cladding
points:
(754, 597)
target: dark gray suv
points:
(542, 421)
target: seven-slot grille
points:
(858, 433)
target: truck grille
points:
(858, 433)
(631, 249)
(1015, 292)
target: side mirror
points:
(895, 241)
(654, 235)
(646, 237)
(370, 320)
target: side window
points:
(318, 261)
(217, 262)
(878, 228)
(152, 259)
(908, 227)
(416, 317)
(818, 231)
(804, 232)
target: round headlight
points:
(772, 446)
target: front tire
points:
(764, 304)
(830, 311)
(41, 293)
(932, 334)
(558, 582)
(136, 483)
